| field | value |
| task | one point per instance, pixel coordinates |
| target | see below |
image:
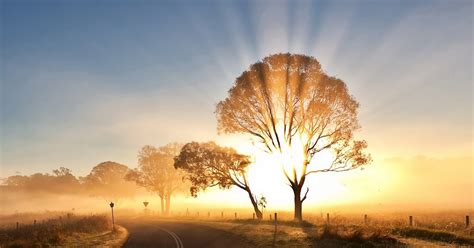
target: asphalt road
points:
(166, 233)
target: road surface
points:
(168, 233)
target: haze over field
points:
(83, 83)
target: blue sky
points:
(88, 81)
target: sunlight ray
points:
(330, 36)
(271, 21)
(240, 36)
(300, 31)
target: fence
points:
(365, 219)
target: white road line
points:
(177, 240)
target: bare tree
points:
(297, 111)
(208, 165)
(156, 173)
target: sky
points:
(89, 81)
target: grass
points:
(342, 232)
(354, 236)
(305, 234)
(382, 230)
(53, 232)
(435, 235)
(9, 221)
(108, 238)
(431, 228)
(272, 222)
(445, 220)
(262, 234)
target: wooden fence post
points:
(365, 219)
(468, 221)
(235, 215)
(253, 216)
(411, 220)
(17, 225)
(327, 218)
(276, 221)
(274, 233)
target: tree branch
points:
(305, 195)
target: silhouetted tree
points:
(16, 181)
(295, 110)
(107, 180)
(208, 164)
(62, 171)
(62, 181)
(156, 173)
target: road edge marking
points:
(177, 240)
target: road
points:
(169, 233)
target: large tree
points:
(289, 104)
(208, 164)
(157, 174)
(107, 180)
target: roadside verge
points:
(114, 239)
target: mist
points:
(388, 185)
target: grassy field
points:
(288, 234)
(429, 229)
(44, 230)
(449, 221)
(440, 229)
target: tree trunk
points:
(168, 199)
(254, 204)
(162, 205)
(298, 203)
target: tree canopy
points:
(107, 180)
(156, 173)
(208, 165)
(289, 104)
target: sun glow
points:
(274, 184)
(267, 174)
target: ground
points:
(146, 232)
(149, 230)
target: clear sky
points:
(89, 81)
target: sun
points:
(267, 178)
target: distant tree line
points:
(106, 180)
(112, 181)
